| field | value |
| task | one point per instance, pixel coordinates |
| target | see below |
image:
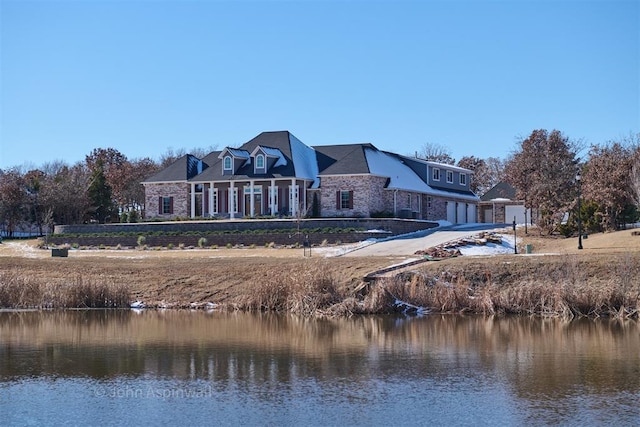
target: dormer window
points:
(259, 161)
(463, 179)
(436, 174)
(450, 177)
(227, 163)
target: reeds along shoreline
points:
(562, 288)
(19, 291)
(559, 289)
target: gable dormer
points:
(265, 158)
(233, 159)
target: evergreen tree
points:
(100, 194)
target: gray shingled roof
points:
(501, 190)
(342, 159)
(278, 140)
(182, 169)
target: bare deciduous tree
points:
(486, 172)
(542, 170)
(435, 153)
(608, 181)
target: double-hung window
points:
(436, 174)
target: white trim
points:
(293, 197)
(213, 200)
(462, 175)
(449, 173)
(433, 174)
(273, 198)
(260, 157)
(224, 163)
(193, 200)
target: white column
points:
(251, 199)
(232, 214)
(211, 199)
(203, 205)
(304, 195)
(193, 200)
(272, 198)
(292, 198)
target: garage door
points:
(517, 212)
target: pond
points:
(175, 367)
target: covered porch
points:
(249, 198)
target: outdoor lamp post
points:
(578, 177)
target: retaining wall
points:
(239, 232)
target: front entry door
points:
(257, 204)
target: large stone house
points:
(275, 174)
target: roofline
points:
(164, 182)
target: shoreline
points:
(592, 283)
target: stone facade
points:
(181, 200)
(435, 208)
(368, 195)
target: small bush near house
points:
(170, 246)
(229, 245)
(202, 242)
(141, 240)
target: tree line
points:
(105, 187)
(548, 175)
(543, 168)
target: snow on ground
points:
(334, 251)
(25, 250)
(507, 247)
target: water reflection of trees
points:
(529, 355)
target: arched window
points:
(227, 163)
(259, 161)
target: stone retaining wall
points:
(392, 225)
(210, 230)
(220, 240)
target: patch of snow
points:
(336, 251)
(402, 177)
(507, 247)
(137, 305)
(406, 261)
(25, 250)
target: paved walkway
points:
(408, 245)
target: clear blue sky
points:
(474, 76)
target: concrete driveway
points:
(408, 245)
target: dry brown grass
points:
(18, 290)
(178, 278)
(603, 279)
(566, 285)
(309, 291)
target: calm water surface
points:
(153, 367)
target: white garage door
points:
(517, 212)
(471, 214)
(451, 212)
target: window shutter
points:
(338, 201)
(160, 205)
(171, 205)
(350, 199)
